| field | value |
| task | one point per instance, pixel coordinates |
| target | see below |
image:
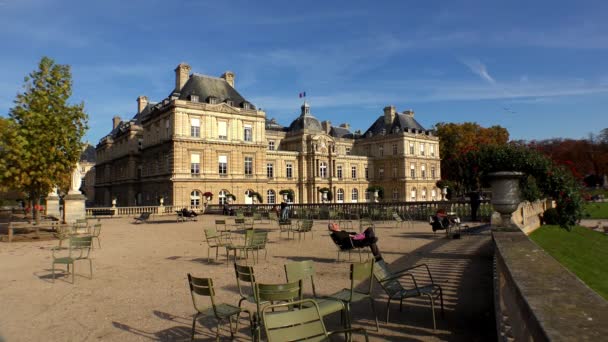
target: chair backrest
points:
(81, 244)
(244, 274)
(220, 224)
(397, 217)
(294, 325)
(96, 229)
(201, 287)
(301, 270)
(287, 292)
(259, 238)
(381, 272)
(359, 272)
(145, 215)
(338, 242)
(306, 225)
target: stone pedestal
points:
(74, 206)
(52, 206)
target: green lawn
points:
(596, 210)
(583, 251)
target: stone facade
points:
(205, 137)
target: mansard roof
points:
(402, 123)
(206, 86)
(305, 121)
(340, 132)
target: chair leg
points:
(193, 326)
(433, 311)
(371, 300)
(388, 306)
(91, 267)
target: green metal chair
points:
(241, 248)
(284, 324)
(285, 226)
(305, 226)
(395, 289)
(220, 225)
(245, 282)
(305, 271)
(271, 293)
(95, 232)
(79, 249)
(216, 240)
(203, 287)
(258, 242)
(359, 272)
(81, 226)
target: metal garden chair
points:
(216, 240)
(203, 287)
(79, 249)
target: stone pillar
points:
(74, 201)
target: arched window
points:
(195, 198)
(222, 196)
(433, 194)
(354, 196)
(423, 194)
(270, 196)
(395, 194)
(413, 194)
(340, 196)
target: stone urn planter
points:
(505, 194)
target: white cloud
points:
(479, 69)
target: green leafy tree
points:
(42, 143)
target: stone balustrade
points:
(527, 216)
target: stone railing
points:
(527, 215)
(537, 299)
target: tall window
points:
(270, 196)
(195, 127)
(222, 130)
(412, 171)
(340, 196)
(248, 133)
(413, 194)
(353, 172)
(339, 171)
(380, 150)
(270, 170)
(195, 164)
(432, 147)
(411, 148)
(394, 149)
(271, 145)
(433, 172)
(354, 196)
(381, 172)
(366, 172)
(195, 198)
(223, 165)
(423, 194)
(422, 149)
(367, 196)
(423, 171)
(348, 150)
(323, 170)
(395, 194)
(222, 196)
(289, 170)
(394, 171)
(248, 165)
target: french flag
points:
(302, 94)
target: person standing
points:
(284, 211)
(475, 199)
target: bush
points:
(551, 216)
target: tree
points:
(42, 144)
(457, 139)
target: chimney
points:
(142, 102)
(345, 125)
(389, 115)
(409, 112)
(326, 126)
(182, 72)
(116, 121)
(229, 77)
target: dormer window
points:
(194, 98)
(212, 100)
(246, 105)
(229, 102)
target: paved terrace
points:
(139, 288)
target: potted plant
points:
(327, 195)
(208, 196)
(257, 198)
(287, 194)
(377, 190)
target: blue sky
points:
(537, 68)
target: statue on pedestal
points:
(76, 181)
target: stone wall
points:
(537, 299)
(527, 215)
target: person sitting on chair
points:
(188, 213)
(348, 240)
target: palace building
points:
(206, 137)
